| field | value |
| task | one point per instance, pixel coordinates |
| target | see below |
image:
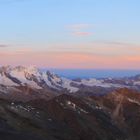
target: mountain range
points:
(34, 79)
(43, 106)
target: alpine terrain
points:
(43, 106)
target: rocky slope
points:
(61, 118)
(124, 108)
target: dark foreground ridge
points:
(109, 117)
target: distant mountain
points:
(33, 78)
(30, 81)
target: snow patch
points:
(134, 101)
(6, 81)
(67, 85)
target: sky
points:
(70, 34)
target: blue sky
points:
(46, 21)
(64, 25)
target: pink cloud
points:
(89, 55)
(80, 29)
(3, 46)
(70, 60)
(82, 33)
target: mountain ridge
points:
(36, 79)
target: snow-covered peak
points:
(20, 75)
(33, 77)
(27, 69)
(53, 77)
(5, 69)
(30, 69)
